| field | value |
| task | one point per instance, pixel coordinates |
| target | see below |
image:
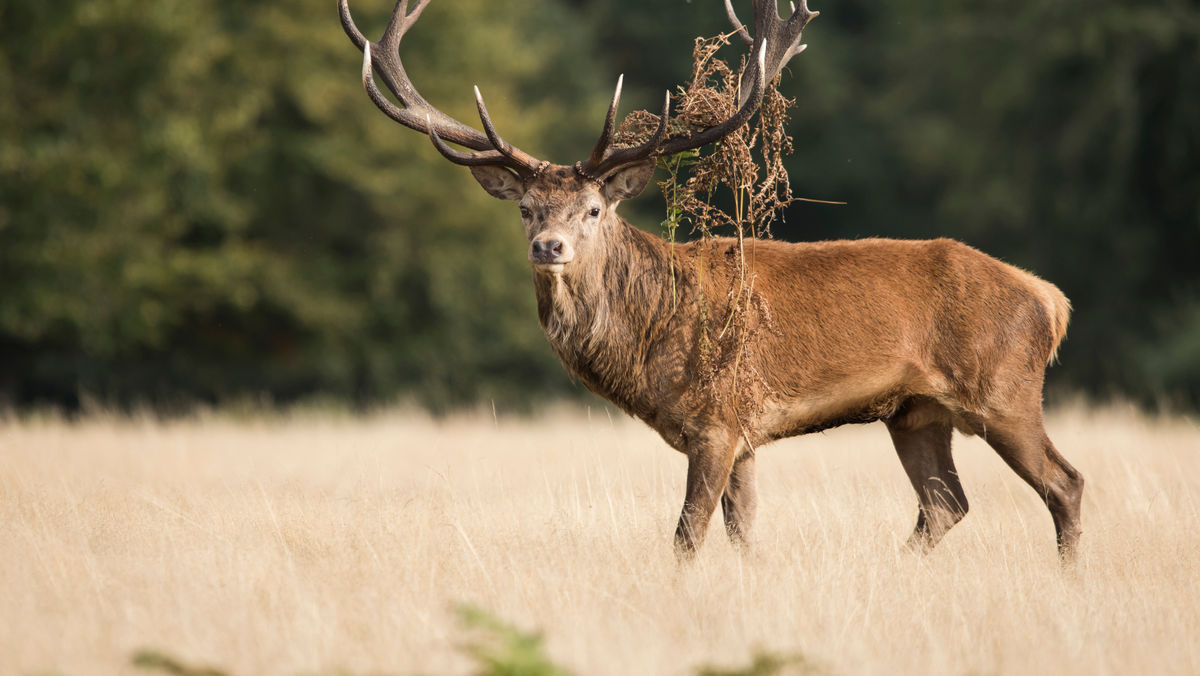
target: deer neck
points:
(604, 318)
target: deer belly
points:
(860, 398)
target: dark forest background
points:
(198, 203)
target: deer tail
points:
(1059, 310)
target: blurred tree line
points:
(198, 202)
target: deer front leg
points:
(710, 461)
(739, 503)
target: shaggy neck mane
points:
(605, 316)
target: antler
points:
(785, 34)
(417, 114)
(775, 42)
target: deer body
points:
(722, 346)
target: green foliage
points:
(153, 660)
(767, 664)
(504, 650)
(198, 203)
(501, 649)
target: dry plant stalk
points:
(748, 165)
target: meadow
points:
(324, 543)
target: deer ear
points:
(630, 181)
(499, 182)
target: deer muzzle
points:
(550, 251)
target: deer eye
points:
(525, 214)
(594, 212)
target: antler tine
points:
(610, 125)
(490, 129)
(737, 23)
(390, 109)
(802, 13)
(660, 134)
(414, 111)
(352, 31)
(623, 156)
(408, 116)
(397, 26)
(797, 21)
(715, 133)
(490, 157)
(784, 36)
(402, 19)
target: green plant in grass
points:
(501, 649)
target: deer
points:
(927, 336)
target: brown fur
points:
(924, 335)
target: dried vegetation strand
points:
(748, 162)
(745, 171)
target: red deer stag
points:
(927, 336)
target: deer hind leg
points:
(925, 453)
(710, 463)
(1023, 444)
(739, 502)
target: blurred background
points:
(199, 205)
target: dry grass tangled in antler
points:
(748, 163)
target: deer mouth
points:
(552, 267)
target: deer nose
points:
(546, 251)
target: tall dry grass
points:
(317, 543)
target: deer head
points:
(568, 210)
(567, 217)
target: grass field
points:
(317, 543)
